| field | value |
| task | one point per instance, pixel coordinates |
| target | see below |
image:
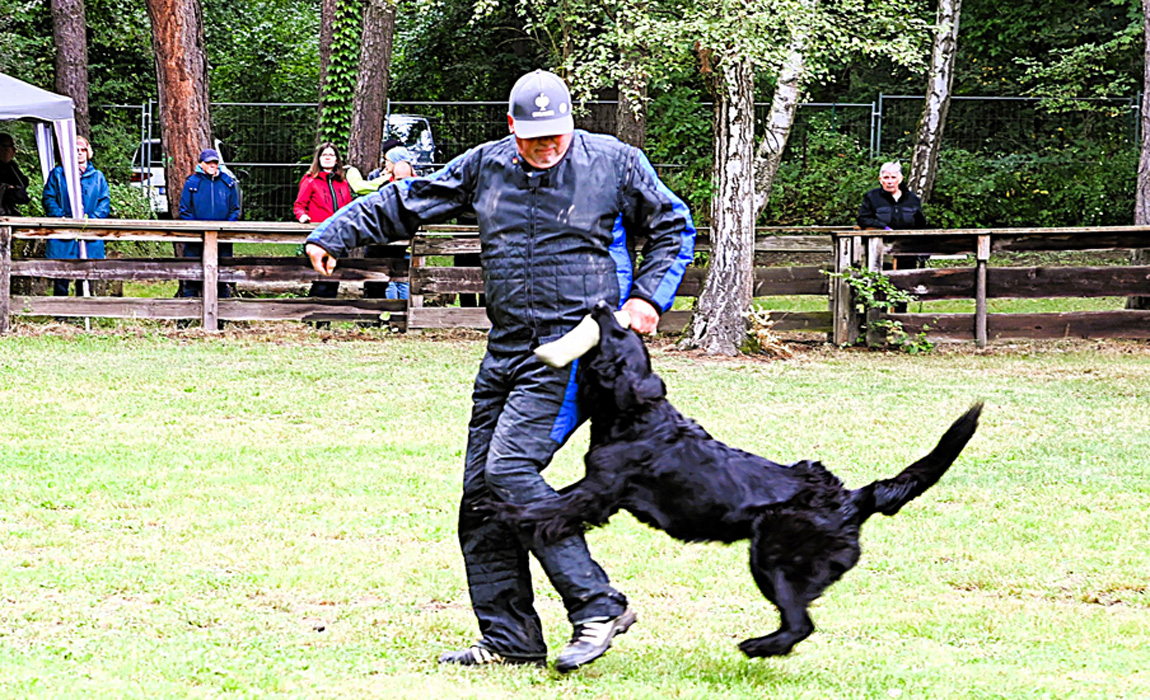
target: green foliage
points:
(263, 51)
(127, 202)
(873, 290)
(339, 90)
(679, 131)
(1079, 186)
(822, 181)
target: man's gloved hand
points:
(644, 317)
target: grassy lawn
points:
(272, 514)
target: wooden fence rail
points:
(432, 272)
(866, 250)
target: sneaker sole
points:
(621, 626)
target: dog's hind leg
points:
(796, 624)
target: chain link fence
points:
(269, 145)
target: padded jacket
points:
(553, 242)
(320, 196)
(94, 197)
(207, 198)
(879, 210)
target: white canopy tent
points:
(52, 113)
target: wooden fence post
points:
(5, 276)
(211, 262)
(981, 257)
(842, 307)
(875, 336)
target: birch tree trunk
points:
(69, 32)
(718, 326)
(928, 139)
(369, 106)
(784, 105)
(1142, 189)
(182, 79)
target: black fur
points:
(647, 458)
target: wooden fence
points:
(769, 281)
(210, 271)
(867, 249)
(432, 273)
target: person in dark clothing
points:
(208, 195)
(13, 182)
(893, 207)
(547, 199)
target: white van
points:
(148, 172)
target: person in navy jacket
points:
(208, 195)
(97, 202)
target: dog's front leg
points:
(592, 500)
(796, 624)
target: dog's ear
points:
(632, 390)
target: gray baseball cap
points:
(540, 105)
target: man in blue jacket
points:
(547, 199)
(96, 200)
(208, 195)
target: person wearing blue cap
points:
(555, 207)
(208, 195)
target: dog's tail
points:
(887, 496)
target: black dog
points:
(647, 458)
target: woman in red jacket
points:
(321, 192)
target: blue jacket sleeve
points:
(396, 211)
(234, 201)
(103, 198)
(53, 188)
(187, 208)
(653, 211)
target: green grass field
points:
(272, 514)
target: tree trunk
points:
(370, 103)
(69, 32)
(928, 139)
(631, 110)
(326, 37)
(1142, 189)
(784, 105)
(182, 79)
(718, 326)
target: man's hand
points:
(644, 317)
(323, 263)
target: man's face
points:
(211, 167)
(7, 151)
(890, 180)
(544, 151)
(82, 153)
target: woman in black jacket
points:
(893, 207)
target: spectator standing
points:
(208, 195)
(13, 182)
(97, 202)
(322, 191)
(893, 207)
(547, 198)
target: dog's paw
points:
(770, 645)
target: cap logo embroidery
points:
(542, 101)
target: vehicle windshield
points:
(414, 132)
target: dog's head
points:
(618, 370)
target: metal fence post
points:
(878, 129)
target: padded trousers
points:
(522, 412)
